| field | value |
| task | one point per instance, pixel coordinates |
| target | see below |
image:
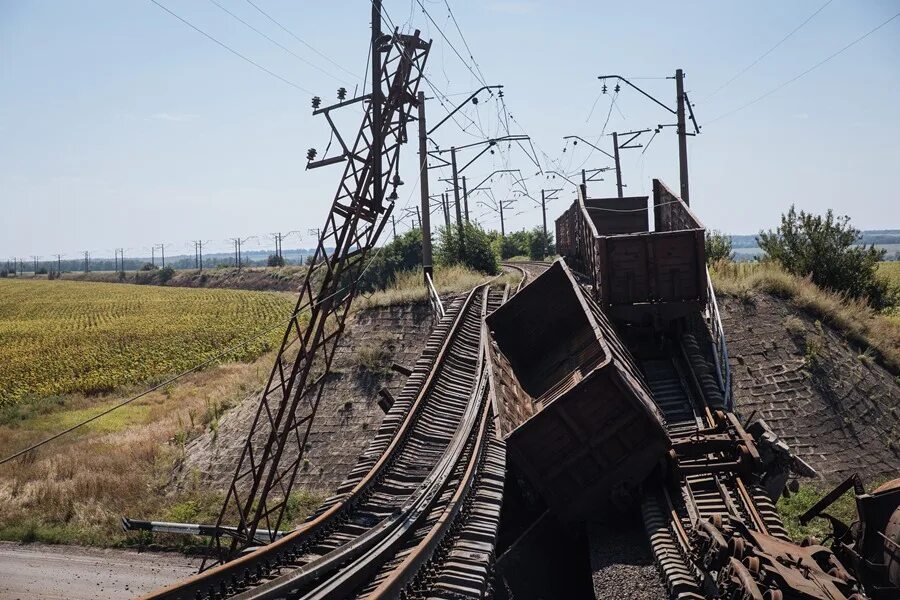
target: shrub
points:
(165, 274)
(148, 267)
(402, 254)
(516, 243)
(540, 245)
(275, 261)
(472, 249)
(4, 273)
(826, 250)
(718, 247)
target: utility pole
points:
(425, 214)
(317, 231)
(35, 259)
(682, 137)
(459, 225)
(445, 204)
(59, 264)
(465, 198)
(544, 215)
(153, 255)
(394, 225)
(682, 105)
(615, 137)
(237, 249)
(115, 260)
(199, 249)
(87, 262)
(162, 252)
(237, 252)
(376, 104)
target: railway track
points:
(420, 510)
(528, 269)
(711, 486)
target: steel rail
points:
(222, 576)
(357, 559)
(703, 496)
(403, 573)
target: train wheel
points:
(736, 547)
(752, 563)
(773, 595)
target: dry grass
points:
(75, 490)
(871, 330)
(408, 286)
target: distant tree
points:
(472, 249)
(4, 273)
(165, 274)
(826, 250)
(718, 247)
(540, 245)
(275, 261)
(41, 271)
(148, 267)
(513, 244)
(402, 254)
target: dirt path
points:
(75, 573)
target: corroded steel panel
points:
(607, 240)
(577, 415)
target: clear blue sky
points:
(123, 127)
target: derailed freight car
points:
(637, 274)
(578, 418)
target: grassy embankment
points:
(69, 350)
(877, 332)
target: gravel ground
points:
(622, 564)
(40, 572)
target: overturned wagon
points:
(579, 420)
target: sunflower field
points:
(59, 337)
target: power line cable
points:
(232, 50)
(449, 43)
(804, 73)
(280, 45)
(768, 52)
(463, 38)
(299, 39)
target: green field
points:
(890, 270)
(59, 337)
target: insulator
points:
(500, 93)
(342, 93)
(603, 89)
(316, 102)
(310, 154)
(393, 194)
(475, 100)
(396, 180)
(574, 142)
(617, 88)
